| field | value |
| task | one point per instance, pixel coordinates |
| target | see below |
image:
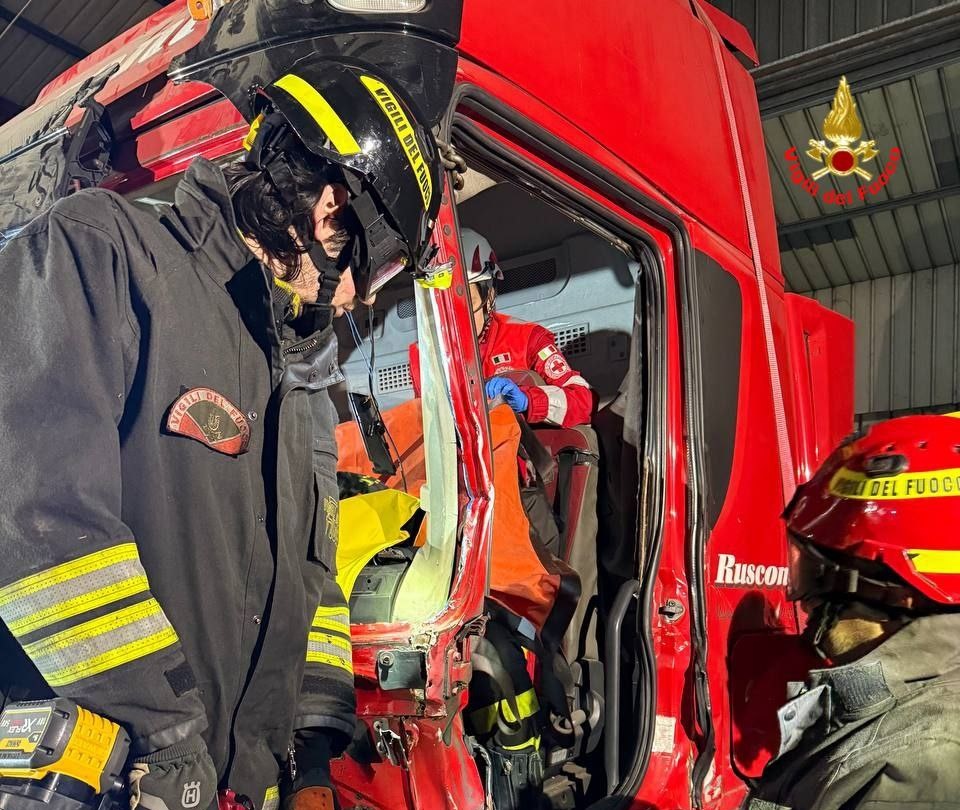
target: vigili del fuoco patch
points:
(211, 418)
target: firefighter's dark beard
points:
(337, 241)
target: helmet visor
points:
(377, 278)
(811, 573)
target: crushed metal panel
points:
(425, 589)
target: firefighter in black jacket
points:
(167, 456)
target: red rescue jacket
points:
(565, 400)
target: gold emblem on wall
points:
(842, 127)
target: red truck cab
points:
(617, 153)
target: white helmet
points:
(479, 256)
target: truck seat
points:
(573, 493)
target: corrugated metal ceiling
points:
(912, 224)
(28, 60)
(783, 28)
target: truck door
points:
(651, 731)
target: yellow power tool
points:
(56, 755)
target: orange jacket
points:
(517, 577)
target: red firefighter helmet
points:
(880, 520)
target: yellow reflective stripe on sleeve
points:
(336, 651)
(60, 574)
(935, 561)
(102, 644)
(405, 134)
(533, 742)
(331, 626)
(79, 604)
(327, 659)
(321, 112)
(339, 615)
(72, 588)
(334, 641)
(903, 486)
(271, 799)
(527, 705)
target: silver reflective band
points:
(556, 403)
(332, 650)
(72, 588)
(102, 644)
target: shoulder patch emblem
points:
(556, 367)
(210, 418)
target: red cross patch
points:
(555, 367)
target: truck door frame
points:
(513, 126)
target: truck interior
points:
(567, 274)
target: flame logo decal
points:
(842, 127)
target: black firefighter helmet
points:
(369, 128)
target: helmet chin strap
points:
(489, 306)
(328, 273)
(826, 615)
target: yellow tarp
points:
(369, 523)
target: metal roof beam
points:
(870, 59)
(845, 216)
(43, 34)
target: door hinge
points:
(671, 610)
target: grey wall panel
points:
(907, 340)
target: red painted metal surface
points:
(824, 382)
(638, 94)
(643, 85)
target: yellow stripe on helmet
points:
(935, 561)
(903, 486)
(405, 134)
(252, 132)
(320, 110)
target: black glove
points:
(180, 777)
(310, 787)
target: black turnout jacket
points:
(168, 483)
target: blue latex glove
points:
(509, 390)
